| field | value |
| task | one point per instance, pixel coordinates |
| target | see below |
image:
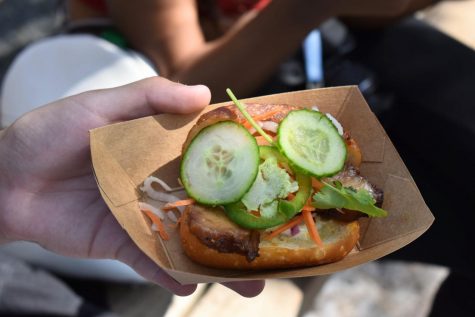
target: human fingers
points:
(145, 97)
(131, 255)
(246, 288)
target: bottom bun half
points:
(283, 251)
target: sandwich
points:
(271, 186)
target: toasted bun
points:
(231, 113)
(284, 251)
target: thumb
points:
(144, 98)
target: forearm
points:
(241, 59)
(247, 55)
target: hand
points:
(48, 193)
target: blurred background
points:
(418, 76)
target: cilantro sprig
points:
(337, 196)
(248, 116)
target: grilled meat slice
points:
(212, 228)
(350, 177)
(343, 215)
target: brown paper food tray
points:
(124, 154)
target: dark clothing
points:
(430, 79)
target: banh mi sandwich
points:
(271, 186)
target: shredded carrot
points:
(247, 125)
(255, 213)
(312, 227)
(316, 184)
(263, 116)
(184, 202)
(308, 205)
(287, 168)
(259, 117)
(308, 208)
(290, 196)
(156, 220)
(309, 201)
(295, 221)
(177, 223)
(180, 219)
(354, 152)
(261, 140)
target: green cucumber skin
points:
(292, 208)
(299, 168)
(238, 214)
(235, 198)
(266, 151)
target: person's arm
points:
(168, 32)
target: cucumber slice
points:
(220, 164)
(312, 143)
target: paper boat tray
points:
(124, 154)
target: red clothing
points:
(233, 7)
(227, 7)
(99, 5)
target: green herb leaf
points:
(248, 116)
(271, 183)
(338, 196)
